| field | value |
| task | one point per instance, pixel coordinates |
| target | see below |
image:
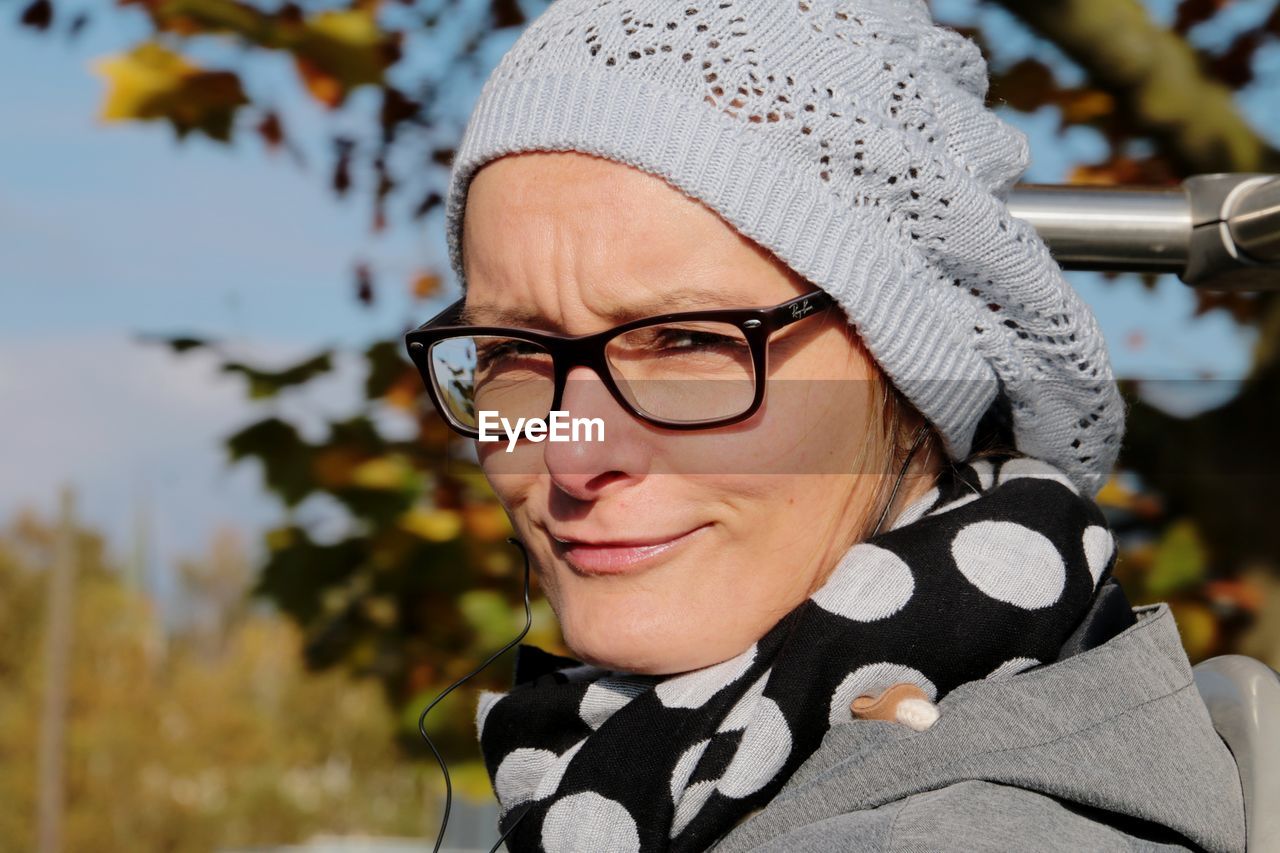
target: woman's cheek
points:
(502, 460)
(804, 427)
(512, 476)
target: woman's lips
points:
(616, 559)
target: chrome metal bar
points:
(1253, 222)
(1109, 228)
(1217, 232)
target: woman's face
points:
(738, 524)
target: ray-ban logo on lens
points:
(798, 311)
(558, 426)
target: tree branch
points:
(1156, 76)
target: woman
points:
(853, 418)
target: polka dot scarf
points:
(983, 577)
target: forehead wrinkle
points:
(586, 277)
(589, 248)
(664, 303)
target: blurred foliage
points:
(423, 585)
(153, 82)
(1220, 608)
(210, 736)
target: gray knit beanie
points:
(852, 141)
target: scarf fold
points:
(984, 576)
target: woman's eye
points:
(693, 340)
(494, 355)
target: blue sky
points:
(109, 232)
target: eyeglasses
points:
(688, 370)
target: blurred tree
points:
(217, 738)
(410, 594)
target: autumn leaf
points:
(1243, 307)
(1084, 105)
(489, 616)
(339, 50)
(152, 83)
(1192, 12)
(1122, 169)
(1026, 86)
(180, 343)
(1180, 560)
(1240, 593)
(405, 393)
(507, 13)
(1197, 627)
(386, 184)
(334, 51)
(269, 383)
(322, 86)
(384, 472)
(271, 130)
(487, 522)
(396, 109)
(341, 180)
(77, 25)
(284, 455)
(364, 283)
(471, 778)
(333, 467)
(429, 201)
(386, 365)
(38, 15)
(425, 285)
(1114, 493)
(434, 525)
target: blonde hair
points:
(887, 444)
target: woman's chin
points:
(623, 653)
(622, 643)
(663, 649)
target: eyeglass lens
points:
(680, 372)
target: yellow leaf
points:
(1114, 494)
(332, 467)
(471, 780)
(280, 538)
(434, 525)
(353, 27)
(425, 285)
(138, 79)
(341, 49)
(487, 522)
(1181, 559)
(1086, 106)
(403, 398)
(381, 610)
(152, 83)
(324, 87)
(384, 472)
(1197, 626)
(489, 615)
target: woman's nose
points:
(593, 466)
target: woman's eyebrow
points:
(498, 315)
(486, 315)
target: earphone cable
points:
(920, 434)
(422, 718)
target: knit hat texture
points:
(851, 140)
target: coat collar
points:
(1119, 727)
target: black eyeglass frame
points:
(756, 324)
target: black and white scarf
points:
(983, 577)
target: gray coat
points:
(1108, 749)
